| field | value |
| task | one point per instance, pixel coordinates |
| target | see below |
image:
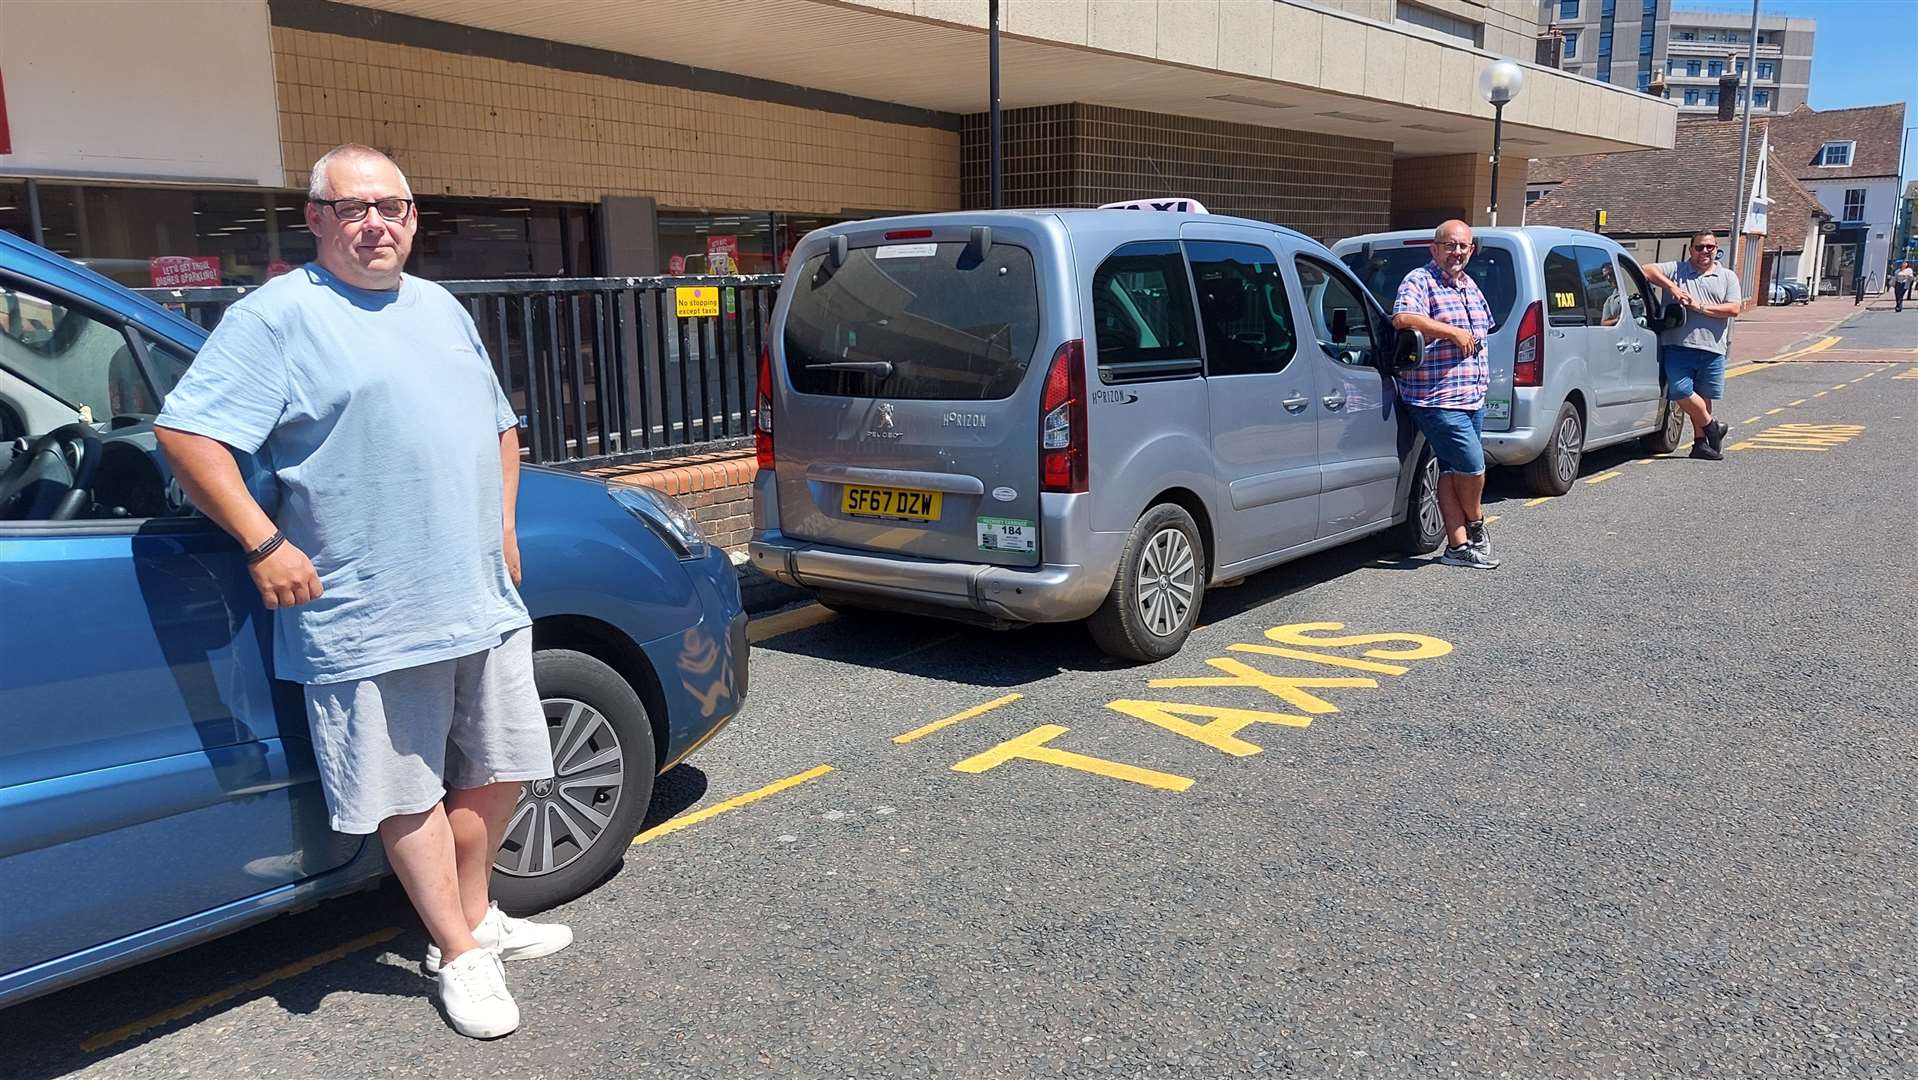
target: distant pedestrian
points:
(394, 563)
(1901, 283)
(1445, 392)
(1693, 354)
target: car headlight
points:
(664, 515)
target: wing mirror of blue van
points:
(1408, 348)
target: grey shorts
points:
(393, 743)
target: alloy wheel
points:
(1167, 581)
(1571, 443)
(557, 820)
(1431, 521)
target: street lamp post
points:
(1499, 84)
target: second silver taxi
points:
(1044, 416)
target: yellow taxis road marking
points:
(1221, 734)
(1602, 477)
(978, 710)
(1417, 646)
(180, 1012)
(1289, 690)
(786, 622)
(1032, 747)
(734, 803)
(1321, 658)
(1814, 437)
(1541, 500)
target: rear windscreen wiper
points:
(881, 368)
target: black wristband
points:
(267, 547)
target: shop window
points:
(723, 242)
(14, 215)
(462, 239)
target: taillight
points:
(763, 411)
(1062, 429)
(1528, 360)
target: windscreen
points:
(914, 321)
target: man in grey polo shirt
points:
(392, 561)
(1693, 354)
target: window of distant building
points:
(1571, 44)
(1715, 68)
(1855, 204)
(1835, 154)
(1764, 99)
(1693, 68)
(1765, 71)
(1691, 97)
(1568, 9)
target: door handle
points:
(1295, 403)
(1638, 346)
(1623, 345)
(1334, 401)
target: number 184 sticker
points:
(1007, 534)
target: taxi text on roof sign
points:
(696, 301)
(1176, 205)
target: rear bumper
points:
(1052, 592)
(1531, 429)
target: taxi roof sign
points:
(1172, 204)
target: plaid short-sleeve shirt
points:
(1445, 378)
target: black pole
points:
(993, 32)
(1498, 132)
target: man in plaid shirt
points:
(1445, 393)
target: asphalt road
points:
(1637, 804)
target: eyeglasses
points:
(1704, 247)
(1454, 245)
(350, 210)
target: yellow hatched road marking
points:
(180, 1012)
(939, 725)
(1774, 412)
(1800, 401)
(1754, 420)
(1604, 476)
(734, 803)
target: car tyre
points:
(1423, 530)
(606, 714)
(1157, 593)
(1671, 430)
(1552, 472)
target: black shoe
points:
(1715, 434)
(1703, 449)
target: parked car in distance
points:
(157, 784)
(1045, 416)
(1574, 344)
(1784, 292)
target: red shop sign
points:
(183, 271)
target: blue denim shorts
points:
(1454, 435)
(1689, 370)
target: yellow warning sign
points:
(696, 302)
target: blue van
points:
(157, 785)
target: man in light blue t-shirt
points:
(392, 563)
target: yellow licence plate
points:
(900, 503)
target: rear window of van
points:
(1491, 267)
(914, 321)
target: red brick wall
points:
(716, 488)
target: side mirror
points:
(1671, 318)
(1341, 326)
(1408, 348)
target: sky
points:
(1865, 53)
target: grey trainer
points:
(1467, 555)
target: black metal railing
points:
(604, 368)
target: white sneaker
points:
(513, 939)
(473, 991)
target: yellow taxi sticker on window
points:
(696, 301)
(1560, 300)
